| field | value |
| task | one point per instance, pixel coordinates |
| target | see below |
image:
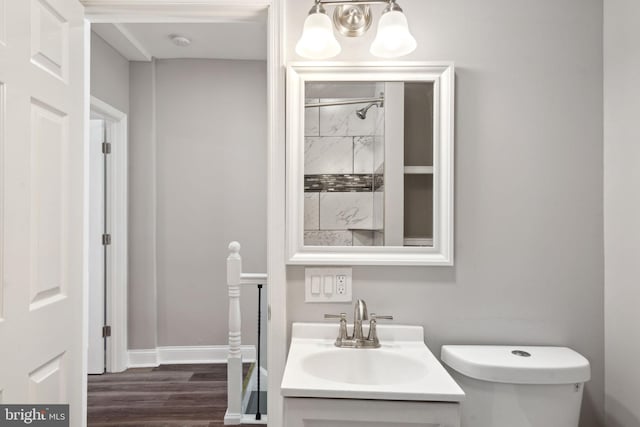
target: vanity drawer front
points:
(314, 412)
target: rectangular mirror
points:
(370, 164)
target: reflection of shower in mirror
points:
(362, 113)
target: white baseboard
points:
(142, 358)
(186, 354)
(232, 418)
(251, 419)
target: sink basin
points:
(369, 366)
(403, 368)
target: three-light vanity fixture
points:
(353, 19)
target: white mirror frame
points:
(442, 75)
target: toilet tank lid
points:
(518, 364)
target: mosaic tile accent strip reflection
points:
(343, 182)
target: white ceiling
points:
(228, 40)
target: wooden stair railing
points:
(235, 278)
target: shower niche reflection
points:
(368, 163)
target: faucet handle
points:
(336, 316)
(380, 316)
(373, 330)
(342, 332)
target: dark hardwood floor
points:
(169, 395)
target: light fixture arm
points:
(317, 8)
(393, 7)
(352, 18)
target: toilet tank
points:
(523, 386)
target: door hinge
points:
(106, 331)
(106, 147)
(106, 239)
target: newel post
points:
(234, 360)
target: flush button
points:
(521, 353)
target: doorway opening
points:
(108, 146)
(195, 96)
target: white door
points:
(43, 154)
(97, 354)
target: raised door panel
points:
(49, 155)
(47, 383)
(49, 39)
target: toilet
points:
(523, 386)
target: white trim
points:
(86, 101)
(202, 354)
(159, 11)
(175, 355)
(142, 358)
(118, 210)
(253, 279)
(123, 41)
(232, 418)
(223, 11)
(442, 74)
(276, 268)
(251, 419)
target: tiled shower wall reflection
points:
(344, 163)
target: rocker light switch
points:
(327, 284)
(315, 285)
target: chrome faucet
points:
(359, 314)
(357, 339)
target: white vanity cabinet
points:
(401, 383)
(318, 412)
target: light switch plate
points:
(335, 284)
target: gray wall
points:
(622, 210)
(197, 180)
(211, 189)
(109, 74)
(529, 223)
(142, 310)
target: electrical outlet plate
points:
(331, 284)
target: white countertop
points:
(403, 368)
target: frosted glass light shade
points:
(393, 38)
(318, 41)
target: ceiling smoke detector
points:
(181, 41)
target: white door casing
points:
(221, 11)
(42, 73)
(96, 356)
(115, 359)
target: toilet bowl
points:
(523, 386)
